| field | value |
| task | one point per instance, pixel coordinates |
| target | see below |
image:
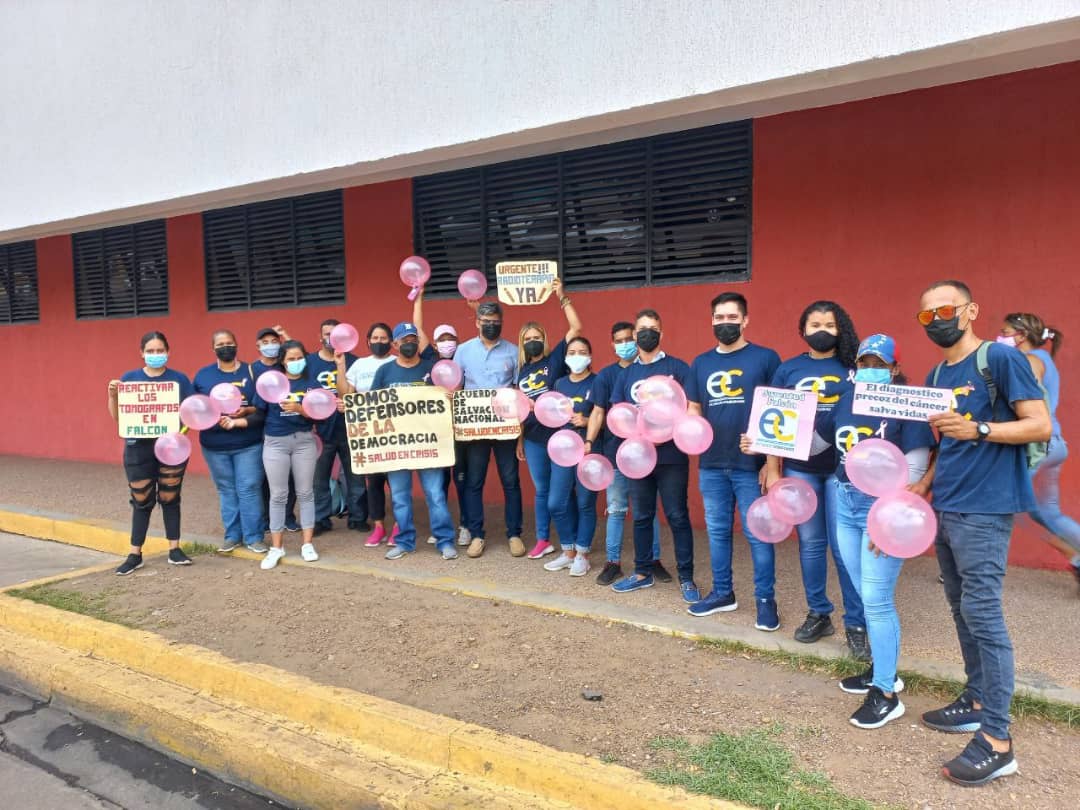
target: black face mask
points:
(727, 333)
(945, 333)
(491, 331)
(821, 341)
(379, 349)
(648, 339)
(226, 354)
(534, 348)
(408, 350)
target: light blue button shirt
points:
(487, 368)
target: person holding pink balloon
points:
(233, 447)
(149, 478)
(289, 446)
(860, 480)
(720, 388)
(268, 342)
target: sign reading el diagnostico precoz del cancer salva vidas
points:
(408, 427)
(148, 409)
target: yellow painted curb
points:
(99, 535)
(402, 732)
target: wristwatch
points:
(983, 429)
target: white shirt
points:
(361, 373)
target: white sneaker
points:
(464, 537)
(580, 566)
(559, 563)
(273, 556)
(308, 552)
(431, 541)
(449, 553)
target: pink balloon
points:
(660, 386)
(566, 448)
(472, 285)
(902, 524)
(877, 467)
(226, 398)
(595, 472)
(636, 457)
(172, 449)
(318, 403)
(553, 409)
(272, 386)
(344, 337)
(414, 272)
(511, 403)
(622, 420)
(693, 435)
(763, 524)
(199, 412)
(447, 373)
(792, 500)
(656, 420)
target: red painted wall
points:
(865, 202)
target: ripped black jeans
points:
(150, 482)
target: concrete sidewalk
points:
(1041, 606)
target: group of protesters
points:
(268, 459)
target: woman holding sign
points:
(149, 479)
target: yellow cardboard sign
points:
(407, 427)
(525, 283)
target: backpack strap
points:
(983, 364)
(937, 373)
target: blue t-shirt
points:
(625, 390)
(324, 372)
(391, 375)
(169, 375)
(260, 367)
(829, 379)
(723, 385)
(844, 429)
(536, 378)
(282, 423)
(217, 438)
(581, 394)
(1051, 381)
(604, 383)
(985, 477)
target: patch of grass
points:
(1024, 704)
(94, 605)
(751, 768)
(193, 549)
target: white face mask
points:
(446, 348)
(577, 363)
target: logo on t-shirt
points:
(719, 385)
(847, 436)
(328, 380)
(818, 386)
(535, 381)
(962, 391)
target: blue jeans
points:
(816, 537)
(875, 576)
(238, 476)
(618, 504)
(539, 464)
(669, 481)
(1046, 482)
(721, 490)
(972, 551)
(356, 496)
(573, 508)
(431, 481)
(477, 457)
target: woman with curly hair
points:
(826, 369)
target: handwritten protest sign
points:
(900, 401)
(525, 283)
(474, 418)
(408, 427)
(148, 409)
(782, 422)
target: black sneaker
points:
(660, 574)
(858, 644)
(612, 571)
(860, 684)
(177, 557)
(959, 717)
(132, 563)
(816, 626)
(323, 526)
(979, 764)
(877, 710)
(359, 525)
(291, 525)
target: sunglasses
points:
(946, 313)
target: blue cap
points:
(404, 329)
(881, 346)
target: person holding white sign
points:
(148, 479)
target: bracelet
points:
(564, 301)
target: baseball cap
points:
(404, 329)
(444, 329)
(881, 346)
(266, 331)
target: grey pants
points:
(296, 453)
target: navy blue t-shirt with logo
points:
(723, 384)
(169, 375)
(324, 372)
(829, 379)
(260, 367)
(536, 378)
(391, 375)
(605, 382)
(580, 393)
(283, 423)
(625, 390)
(985, 477)
(217, 438)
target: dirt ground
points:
(522, 671)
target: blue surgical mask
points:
(879, 376)
(626, 351)
(577, 363)
(270, 350)
(156, 360)
(296, 366)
